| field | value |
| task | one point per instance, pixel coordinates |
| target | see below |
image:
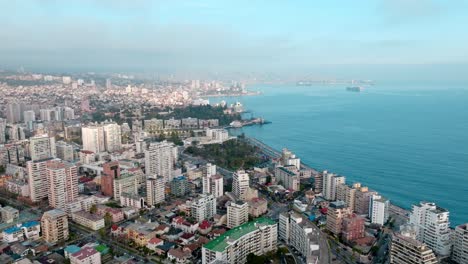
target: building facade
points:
(237, 213)
(54, 225)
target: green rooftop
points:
(102, 249)
(220, 243)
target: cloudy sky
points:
(331, 37)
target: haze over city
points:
(385, 39)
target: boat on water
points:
(354, 88)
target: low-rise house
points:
(179, 256)
(9, 214)
(184, 225)
(87, 255)
(204, 227)
(257, 207)
(141, 233)
(26, 231)
(116, 214)
(187, 238)
(164, 248)
(173, 234)
(154, 243)
(91, 221)
(162, 229)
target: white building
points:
(300, 234)
(330, 184)
(91, 221)
(8, 214)
(460, 244)
(64, 151)
(155, 191)
(203, 207)
(432, 227)
(42, 147)
(93, 138)
(214, 185)
(240, 184)
(237, 213)
(37, 179)
(63, 183)
(405, 249)
(258, 237)
(378, 209)
(126, 183)
(288, 176)
(160, 159)
(112, 137)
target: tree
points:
(2, 169)
(108, 219)
(93, 209)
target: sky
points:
(336, 38)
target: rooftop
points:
(84, 253)
(220, 243)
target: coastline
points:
(270, 151)
(250, 93)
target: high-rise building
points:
(288, 158)
(240, 184)
(337, 211)
(361, 201)
(112, 137)
(330, 184)
(54, 225)
(203, 207)
(160, 159)
(405, 249)
(347, 194)
(37, 179)
(42, 147)
(63, 183)
(288, 176)
(29, 116)
(93, 138)
(64, 151)
(2, 131)
(257, 237)
(108, 83)
(213, 184)
(318, 183)
(180, 186)
(460, 244)
(127, 183)
(378, 209)
(155, 191)
(237, 213)
(111, 171)
(432, 227)
(352, 227)
(300, 234)
(13, 112)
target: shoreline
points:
(270, 151)
(250, 93)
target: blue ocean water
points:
(408, 141)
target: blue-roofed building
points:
(71, 249)
(28, 230)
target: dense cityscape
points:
(99, 168)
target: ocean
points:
(408, 141)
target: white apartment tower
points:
(112, 137)
(378, 209)
(432, 227)
(93, 138)
(330, 184)
(405, 249)
(237, 213)
(63, 183)
(37, 179)
(240, 184)
(42, 147)
(460, 244)
(203, 207)
(160, 159)
(155, 190)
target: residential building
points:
(405, 249)
(203, 207)
(91, 221)
(257, 237)
(258, 207)
(63, 183)
(26, 231)
(126, 183)
(213, 184)
(9, 214)
(93, 138)
(160, 159)
(54, 225)
(38, 179)
(132, 200)
(86, 255)
(155, 191)
(378, 209)
(65, 151)
(112, 137)
(300, 234)
(111, 171)
(42, 147)
(330, 184)
(180, 186)
(347, 194)
(460, 244)
(361, 201)
(288, 176)
(240, 184)
(237, 213)
(432, 227)
(353, 228)
(337, 211)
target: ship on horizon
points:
(354, 88)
